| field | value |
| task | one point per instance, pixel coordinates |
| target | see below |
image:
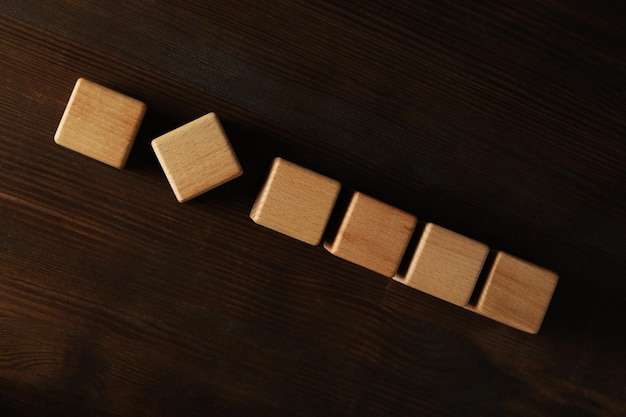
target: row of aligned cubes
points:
(102, 124)
(298, 202)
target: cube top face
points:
(100, 123)
(446, 265)
(296, 201)
(517, 293)
(196, 157)
(373, 235)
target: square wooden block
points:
(100, 123)
(446, 265)
(373, 234)
(517, 293)
(196, 157)
(296, 201)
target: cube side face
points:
(517, 293)
(196, 157)
(373, 234)
(100, 123)
(296, 202)
(446, 265)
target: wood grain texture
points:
(296, 201)
(197, 157)
(517, 293)
(373, 234)
(445, 264)
(100, 123)
(500, 121)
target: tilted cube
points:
(296, 201)
(373, 234)
(445, 265)
(100, 123)
(197, 157)
(517, 293)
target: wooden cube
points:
(446, 265)
(296, 201)
(196, 157)
(373, 234)
(517, 293)
(100, 123)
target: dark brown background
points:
(505, 122)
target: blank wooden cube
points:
(446, 265)
(196, 157)
(373, 234)
(100, 123)
(296, 201)
(517, 293)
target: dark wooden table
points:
(504, 122)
